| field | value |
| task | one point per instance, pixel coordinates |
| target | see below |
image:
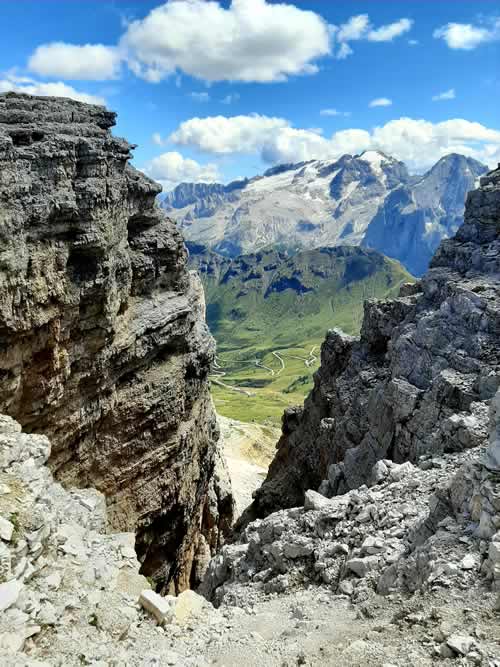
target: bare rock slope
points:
(70, 592)
(417, 382)
(103, 345)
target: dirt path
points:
(248, 449)
(281, 360)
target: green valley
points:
(269, 312)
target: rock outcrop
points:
(69, 589)
(425, 528)
(103, 345)
(417, 382)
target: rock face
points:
(417, 528)
(368, 199)
(418, 380)
(103, 345)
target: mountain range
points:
(370, 200)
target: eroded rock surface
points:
(103, 345)
(417, 382)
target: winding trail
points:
(217, 373)
(308, 361)
(259, 364)
(230, 386)
(281, 360)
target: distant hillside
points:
(368, 200)
(269, 313)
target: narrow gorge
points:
(374, 540)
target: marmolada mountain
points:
(374, 538)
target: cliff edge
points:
(103, 344)
(416, 383)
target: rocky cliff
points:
(71, 595)
(103, 345)
(418, 380)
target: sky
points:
(216, 91)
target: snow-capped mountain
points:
(368, 199)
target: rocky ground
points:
(302, 587)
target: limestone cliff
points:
(103, 345)
(416, 382)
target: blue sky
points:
(215, 90)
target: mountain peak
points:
(367, 199)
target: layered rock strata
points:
(103, 345)
(416, 382)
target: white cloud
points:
(68, 61)
(200, 97)
(344, 51)
(334, 112)
(360, 28)
(446, 95)
(413, 42)
(419, 143)
(54, 89)
(387, 33)
(251, 40)
(157, 139)
(380, 102)
(466, 36)
(172, 168)
(355, 28)
(219, 134)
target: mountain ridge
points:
(369, 199)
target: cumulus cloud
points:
(251, 40)
(387, 33)
(219, 134)
(419, 143)
(56, 89)
(466, 36)
(380, 102)
(172, 168)
(334, 112)
(69, 61)
(360, 28)
(200, 97)
(446, 95)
